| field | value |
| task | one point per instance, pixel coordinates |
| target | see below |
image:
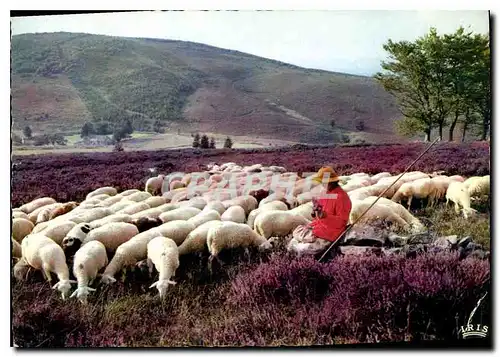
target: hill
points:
(61, 80)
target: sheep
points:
(37, 203)
(164, 254)
(42, 253)
(155, 201)
(16, 249)
(274, 205)
(289, 200)
(128, 192)
(478, 186)
(197, 202)
(376, 212)
(19, 214)
(57, 231)
(156, 211)
(176, 184)
(110, 191)
(100, 197)
(420, 188)
(112, 234)
(278, 223)
(118, 206)
(91, 215)
(247, 202)
(117, 217)
(414, 222)
(145, 223)
(89, 259)
(215, 205)
(65, 208)
(75, 237)
(204, 216)
(138, 196)
(228, 235)
(21, 227)
(458, 193)
(170, 194)
(375, 178)
(196, 240)
(108, 202)
(304, 210)
(134, 250)
(183, 213)
(154, 185)
(33, 216)
(134, 208)
(234, 214)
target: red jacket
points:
(337, 211)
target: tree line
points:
(440, 81)
(203, 142)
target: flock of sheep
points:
(227, 206)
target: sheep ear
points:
(55, 285)
(90, 289)
(171, 282)
(85, 228)
(153, 285)
(74, 294)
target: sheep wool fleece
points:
(337, 206)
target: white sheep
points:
(402, 212)
(229, 235)
(33, 216)
(196, 202)
(196, 240)
(155, 201)
(89, 259)
(75, 237)
(278, 223)
(247, 202)
(91, 215)
(19, 214)
(112, 235)
(156, 211)
(183, 213)
(108, 202)
(134, 250)
(273, 205)
(458, 194)
(110, 191)
(21, 227)
(128, 192)
(57, 231)
(375, 178)
(62, 210)
(118, 206)
(164, 254)
(304, 210)
(138, 196)
(420, 188)
(234, 214)
(215, 205)
(478, 186)
(42, 253)
(37, 203)
(134, 208)
(154, 184)
(117, 217)
(17, 251)
(204, 216)
(377, 212)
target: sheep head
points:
(162, 286)
(64, 286)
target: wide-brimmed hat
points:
(328, 172)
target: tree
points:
(27, 132)
(196, 140)
(204, 143)
(103, 128)
(118, 146)
(87, 130)
(212, 143)
(228, 144)
(157, 126)
(127, 127)
(332, 123)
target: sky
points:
(339, 41)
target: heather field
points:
(260, 299)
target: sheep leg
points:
(150, 264)
(409, 202)
(46, 272)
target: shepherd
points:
(330, 212)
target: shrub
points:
(196, 140)
(27, 132)
(204, 143)
(87, 130)
(212, 143)
(228, 144)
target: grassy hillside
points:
(61, 80)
